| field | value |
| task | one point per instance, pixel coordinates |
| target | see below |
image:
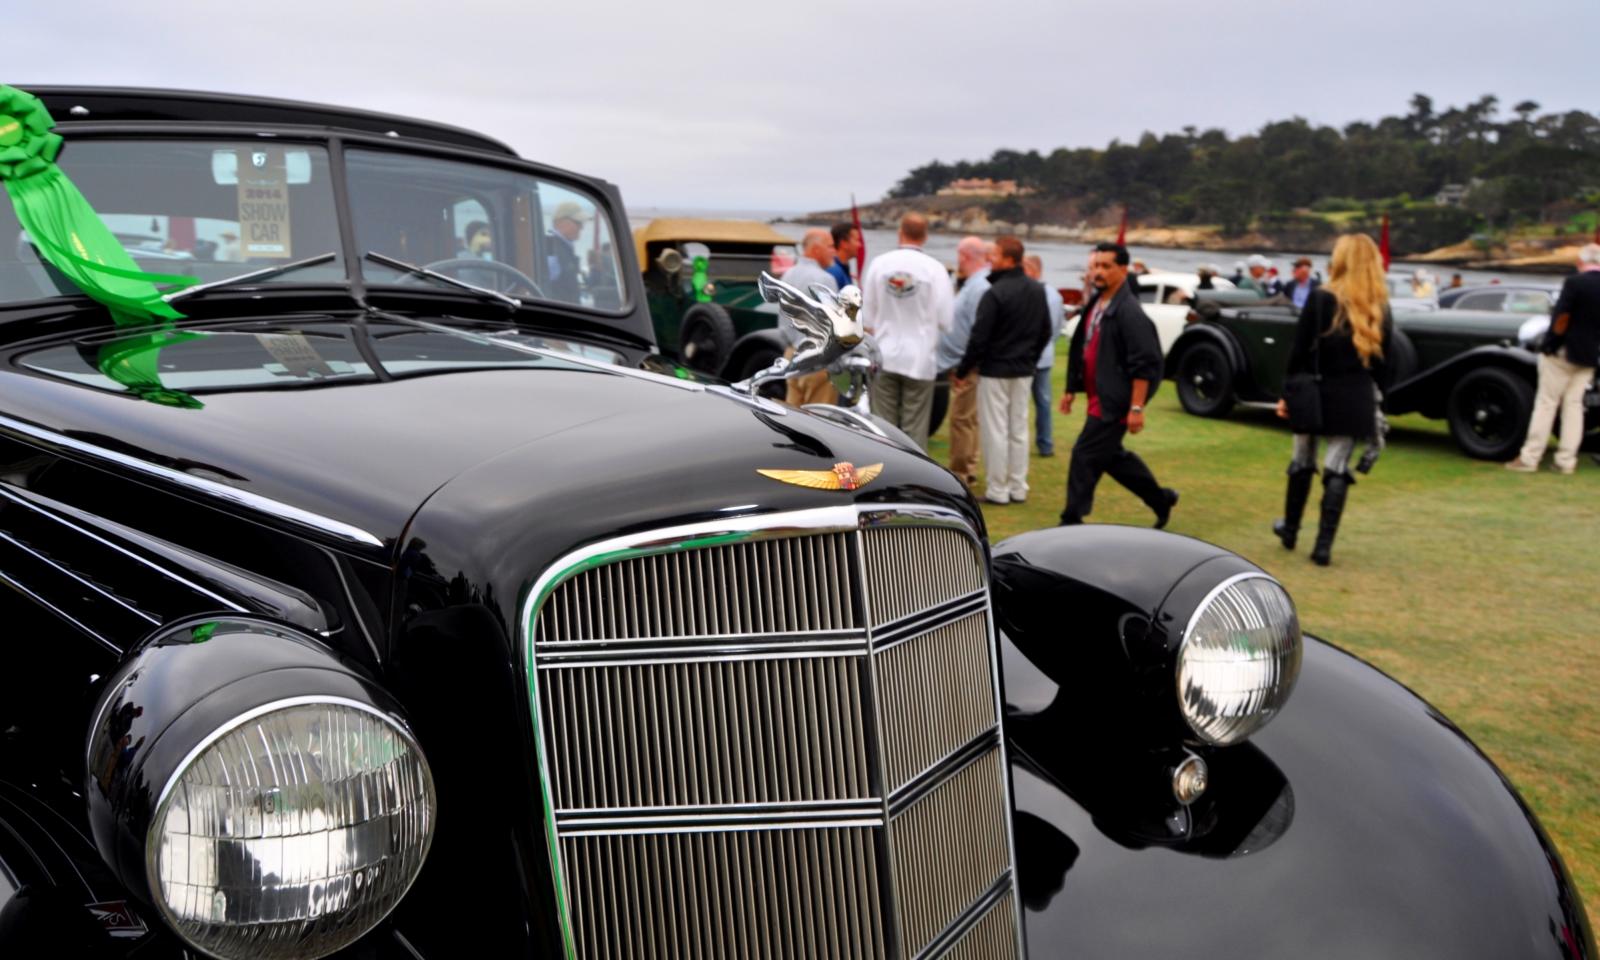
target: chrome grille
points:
(779, 739)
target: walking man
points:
(1011, 327)
(1115, 358)
(816, 256)
(1043, 429)
(906, 303)
(846, 241)
(972, 276)
(1567, 361)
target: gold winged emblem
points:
(843, 476)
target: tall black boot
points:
(1335, 487)
(1294, 504)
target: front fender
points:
(1359, 823)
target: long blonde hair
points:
(1357, 280)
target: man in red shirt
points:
(1115, 358)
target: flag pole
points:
(861, 239)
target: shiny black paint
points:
(1359, 822)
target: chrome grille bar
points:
(775, 737)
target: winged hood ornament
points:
(827, 324)
(843, 476)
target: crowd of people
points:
(991, 332)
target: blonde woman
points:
(1344, 329)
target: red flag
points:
(1122, 231)
(861, 240)
(1597, 230)
(1383, 242)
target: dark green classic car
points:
(1464, 366)
(700, 280)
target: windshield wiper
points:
(252, 275)
(506, 299)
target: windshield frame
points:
(631, 320)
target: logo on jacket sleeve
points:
(843, 476)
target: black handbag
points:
(1302, 393)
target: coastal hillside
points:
(1469, 185)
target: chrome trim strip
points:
(1211, 595)
(929, 620)
(210, 488)
(946, 941)
(150, 618)
(177, 578)
(936, 774)
(791, 806)
(844, 416)
(653, 829)
(41, 601)
(644, 658)
(1005, 762)
(554, 647)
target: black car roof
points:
(102, 104)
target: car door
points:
(1267, 335)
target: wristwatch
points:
(1136, 409)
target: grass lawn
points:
(1474, 586)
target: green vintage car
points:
(700, 280)
(1463, 366)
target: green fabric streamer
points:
(62, 225)
(701, 278)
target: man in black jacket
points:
(1569, 355)
(1115, 358)
(1009, 333)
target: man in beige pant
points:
(817, 251)
(1567, 362)
(972, 275)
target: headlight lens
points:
(292, 831)
(1239, 659)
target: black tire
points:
(1205, 380)
(756, 360)
(706, 338)
(941, 405)
(1488, 412)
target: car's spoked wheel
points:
(1205, 381)
(1489, 413)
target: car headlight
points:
(265, 796)
(1239, 658)
(292, 831)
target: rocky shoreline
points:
(961, 215)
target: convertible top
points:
(674, 229)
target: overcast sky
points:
(726, 105)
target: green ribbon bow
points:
(62, 225)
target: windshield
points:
(175, 366)
(507, 231)
(209, 210)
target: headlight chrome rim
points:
(162, 809)
(1281, 692)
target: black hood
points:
(549, 450)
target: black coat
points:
(1011, 327)
(1129, 351)
(1580, 301)
(1349, 408)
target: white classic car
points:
(1166, 299)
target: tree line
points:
(1520, 166)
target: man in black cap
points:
(1115, 358)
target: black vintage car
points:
(1463, 366)
(373, 611)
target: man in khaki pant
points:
(816, 256)
(972, 275)
(1567, 361)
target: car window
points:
(1487, 300)
(1527, 301)
(545, 240)
(1146, 294)
(203, 209)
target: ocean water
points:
(1064, 263)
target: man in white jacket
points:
(906, 302)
